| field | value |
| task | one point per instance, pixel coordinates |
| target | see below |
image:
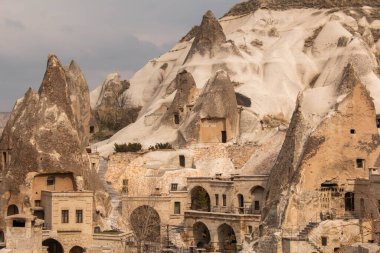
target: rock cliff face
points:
(252, 5)
(326, 150)
(48, 130)
(216, 105)
(209, 37)
(186, 94)
(110, 109)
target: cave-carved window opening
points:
(176, 118)
(182, 160)
(324, 240)
(50, 180)
(360, 163)
(18, 223)
(224, 136)
(378, 121)
(92, 129)
(352, 131)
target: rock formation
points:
(252, 5)
(186, 93)
(338, 149)
(110, 109)
(209, 37)
(49, 130)
(214, 111)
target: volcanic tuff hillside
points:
(294, 66)
(269, 55)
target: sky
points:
(101, 36)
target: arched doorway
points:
(257, 194)
(76, 249)
(241, 203)
(53, 246)
(145, 223)
(12, 210)
(349, 201)
(202, 236)
(200, 199)
(227, 238)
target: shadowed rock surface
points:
(186, 92)
(111, 111)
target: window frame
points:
(174, 187)
(177, 207)
(65, 216)
(79, 216)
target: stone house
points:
(216, 213)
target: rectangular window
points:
(360, 163)
(50, 180)
(65, 216)
(378, 205)
(174, 187)
(324, 240)
(224, 200)
(79, 216)
(182, 160)
(177, 207)
(217, 199)
(37, 203)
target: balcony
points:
(228, 216)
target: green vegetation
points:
(130, 147)
(158, 146)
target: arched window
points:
(12, 210)
(200, 199)
(257, 194)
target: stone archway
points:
(257, 194)
(12, 210)
(53, 246)
(146, 224)
(202, 237)
(200, 199)
(226, 238)
(76, 249)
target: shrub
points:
(158, 146)
(130, 147)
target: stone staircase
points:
(303, 234)
(317, 249)
(114, 195)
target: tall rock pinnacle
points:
(210, 36)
